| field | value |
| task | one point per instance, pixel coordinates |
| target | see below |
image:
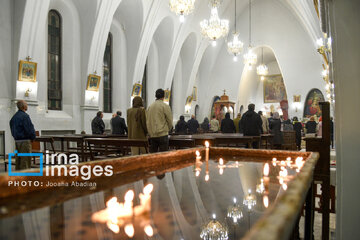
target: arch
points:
(311, 105)
(107, 75)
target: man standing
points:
(214, 124)
(193, 125)
(97, 124)
(159, 122)
(23, 132)
(251, 123)
(118, 124)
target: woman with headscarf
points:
(297, 128)
(181, 126)
(205, 126)
(136, 121)
(275, 129)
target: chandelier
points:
(214, 230)
(250, 200)
(235, 47)
(250, 58)
(235, 212)
(262, 69)
(214, 28)
(182, 7)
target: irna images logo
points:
(62, 165)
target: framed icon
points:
(189, 100)
(93, 83)
(136, 91)
(194, 94)
(27, 71)
(167, 96)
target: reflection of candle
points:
(129, 230)
(149, 230)
(284, 186)
(113, 227)
(207, 176)
(266, 201)
(197, 173)
(266, 183)
(197, 153)
(221, 171)
(266, 169)
(145, 199)
(274, 162)
(221, 161)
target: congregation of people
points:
(155, 124)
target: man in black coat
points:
(97, 124)
(118, 124)
(227, 124)
(181, 126)
(251, 123)
(193, 125)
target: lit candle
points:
(207, 151)
(145, 200)
(129, 230)
(266, 169)
(221, 161)
(274, 161)
(149, 230)
(266, 201)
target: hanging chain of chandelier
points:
(216, 28)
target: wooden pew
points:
(106, 146)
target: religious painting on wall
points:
(93, 83)
(167, 96)
(215, 111)
(27, 71)
(312, 107)
(274, 89)
(188, 101)
(136, 91)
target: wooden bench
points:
(181, 143)
(106, 146)
(289, 141)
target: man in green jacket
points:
(159, 123)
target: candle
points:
(274, 161)
(221, 161)
(266, 201)
(129, 230)
(207, 151)
(266, 169)
(149, 230)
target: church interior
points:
(73, 64)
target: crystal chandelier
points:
(235, 47)
(235, 212)
(262, 69)
(250, 58)
(250, 200)
(214, 28)
(182, 7)
(214, 230)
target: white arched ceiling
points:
(163, 37)
(152, 73)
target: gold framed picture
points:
(274, 89)
(93, 83)
(27, 71)
(189, 100)
(167, 96)
(194, 94)
(136, 91)
(297, 98)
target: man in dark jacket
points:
(193, 125)
(97, 124)
(118, 124)
(181, 126)
(251, 123)
(23, 132)
(227, 124)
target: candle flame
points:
(207, 144)
(111, 202)
(207, 177)
(149, 230)
(274, 159)
(266, 201)
(221, 161)
(129, 196)
(197, 153)
(113, 227)
(197, 173)
(148, 188)
(266, 169)
(129, 230)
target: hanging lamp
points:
(250, 58)
(235, 47)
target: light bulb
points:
(262, 78)
(235, 58)
(213, 43)
(182, 18)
